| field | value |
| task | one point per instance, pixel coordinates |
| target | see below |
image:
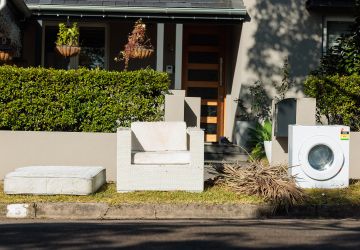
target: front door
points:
(203, 75)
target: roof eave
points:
(145, 10)
(21, 7)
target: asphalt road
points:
(181, 234)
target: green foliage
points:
(68, 35)
(344, 57)
(337, 98)
(286, 82)
(260, 104)
(259, 134)
(78, 100)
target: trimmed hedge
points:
(337, 97)
(41, 99)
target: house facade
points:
(213, 49)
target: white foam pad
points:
(51, 180)
(161, 157)
(158, 136)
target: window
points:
(333, 29)
(93, 48)
(92, 42)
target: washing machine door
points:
(321, 157)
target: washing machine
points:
(319, 155)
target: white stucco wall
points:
(277, 29)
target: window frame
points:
(74, 61)
(328, 19)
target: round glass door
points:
(321, 157)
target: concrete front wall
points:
(24, 148)
(355, 155)
(277, 29)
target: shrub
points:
(337, 98)
(272, 183)
(259, 134)
(78, 100)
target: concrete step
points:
(224, 152)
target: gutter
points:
(147, 10)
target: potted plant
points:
(138, 46)
(251, 113)
(6, 49)
(260, 141)
(67, 43)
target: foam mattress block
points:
(51, 180)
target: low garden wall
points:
(25, 148)
(355, 155)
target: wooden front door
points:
(203, 75)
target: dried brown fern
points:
(273, 183)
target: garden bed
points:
(108, 194)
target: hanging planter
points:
(6, 56)
(138, 46)
(68, 51)
(10, 41)
(67, 43)
(142, 52)
(6, 50)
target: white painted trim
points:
(325, 27)
(74, 61)
(160, 47)
(178, 55)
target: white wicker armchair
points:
(160, 156)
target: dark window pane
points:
(335, 29)
(92, 41)
(204, 93)
(208, 110)
(203, 75)
(204, 57)
(209, 128)
(52, 57)
(206, 40)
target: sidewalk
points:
(79, 211)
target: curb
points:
(98, 211)
(103, 211)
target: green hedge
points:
(78, 100)
(337, 97)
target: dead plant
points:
(272, 183)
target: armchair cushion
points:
(158, 136)
(160, 158)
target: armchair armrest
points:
(123, 147)
(196, 146)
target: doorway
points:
(204, 76)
